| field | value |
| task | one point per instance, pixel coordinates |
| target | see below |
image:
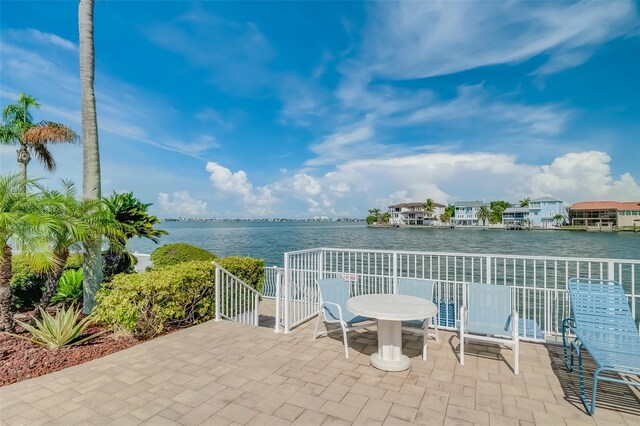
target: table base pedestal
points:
(389, 356)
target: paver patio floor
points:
(226, 373)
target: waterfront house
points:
(515, 216)
(605, 213)
(542, 211)
(413, 214)
(466, 212)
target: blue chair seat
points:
(413, 323)
(487, 329)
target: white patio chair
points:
(488, 315)
(423, 288)
(334, 293)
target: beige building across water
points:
(605, 213)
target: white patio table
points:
(390, 310)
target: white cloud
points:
(407, 40)
(473, 102)
(584, 176)
(42, 37)
(180, 203)
(255, 201)
(305, 184)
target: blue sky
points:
(241, 109)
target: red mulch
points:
(21, 359)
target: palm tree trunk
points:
(91, 185)
(23, 160)
(6, 314)
(53, 279)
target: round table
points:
(390, 310)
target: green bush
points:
(145, 304)
(74, 261)
(172, 254)
(248, 269)
(26, 284)
(69, 288)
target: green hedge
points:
(172, 254)
(145, 304)
(248, 269)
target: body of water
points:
(270, 241)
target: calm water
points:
(270, 240)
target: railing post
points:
(287, 284)
(488, 270)
(321, 264)
(256, 315)
(395, 272)
(217, 292)
(278, 301)
(611, 271)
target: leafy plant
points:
(172, 254)
(26, 284)
(65, 329)
(69, 288)
(133, 217)
(145, 304)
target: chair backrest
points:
(489, 304)
(418, 287)
(601, 305)
(334, 290)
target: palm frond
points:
(48, 132)
(44, 156)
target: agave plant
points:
(65, 329)
(69, 287)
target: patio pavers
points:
(226, 373)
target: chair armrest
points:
(514, 328)
(337, 306)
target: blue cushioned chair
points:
(334, 293)
(488, 315)
(603, 325)
(423, 288)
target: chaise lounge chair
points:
(419, 288)
(603, 325)
(334, 293)
(488, 315)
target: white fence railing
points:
(270, 281)
(144, 261)
(539, 282)
(235, 300)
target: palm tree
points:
(429, 207)
(80, 221)
(132, 216)
(91, 186)
(525, 202)
(445, 217)
(32, 138)
(484, 214)
(24, 225)
(559, 219)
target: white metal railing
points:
(539, 282)
(235, 300)
(270, 281)
(144, 261)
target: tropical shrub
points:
(248, 269)
(145, 304)
(74, 261)
(69, 288)
(172, 254)
(26, 284)
(65, 329)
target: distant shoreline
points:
(338, 219)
